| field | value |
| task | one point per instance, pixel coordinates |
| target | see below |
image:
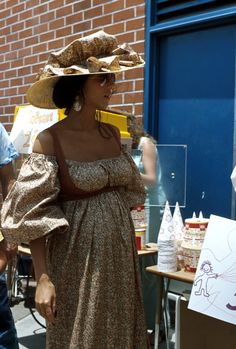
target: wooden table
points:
(24, 250)
(147, 252)
(181, 275)
(162, 294)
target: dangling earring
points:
(103, 82)
(77, 106)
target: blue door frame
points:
(173, 91)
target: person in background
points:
(8, 336)
(144, 154)
(72, 204)
(145, 157)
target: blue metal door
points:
(196, 108)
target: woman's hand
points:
(45, 296)
(45, 299)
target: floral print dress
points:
(91, 252)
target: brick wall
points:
(30, 29)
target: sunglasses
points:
(105, 79)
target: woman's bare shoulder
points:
(147, 142)
(44, 143)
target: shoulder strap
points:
(115, 135)
(59, 153)
(67, 185)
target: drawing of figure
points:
(214, 290)
(202, 279)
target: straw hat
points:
(98, 53)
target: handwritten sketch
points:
(214, 288)
(203, 278)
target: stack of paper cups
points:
(167, 256)
(167, 247)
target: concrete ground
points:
(31, 335)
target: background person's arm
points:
(7, 178)
(3, 257)
(7, 251)
(149, 160)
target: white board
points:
(29, 122)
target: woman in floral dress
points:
(72, 204)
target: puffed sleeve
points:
(134, 193)
(30, 209)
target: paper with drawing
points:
(214, 289)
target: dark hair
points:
(136, 130)
(66, 89)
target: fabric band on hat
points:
(98, 53)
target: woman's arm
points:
(45, 296)
(38, 252)
(149, 160)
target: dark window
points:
(169, 9)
